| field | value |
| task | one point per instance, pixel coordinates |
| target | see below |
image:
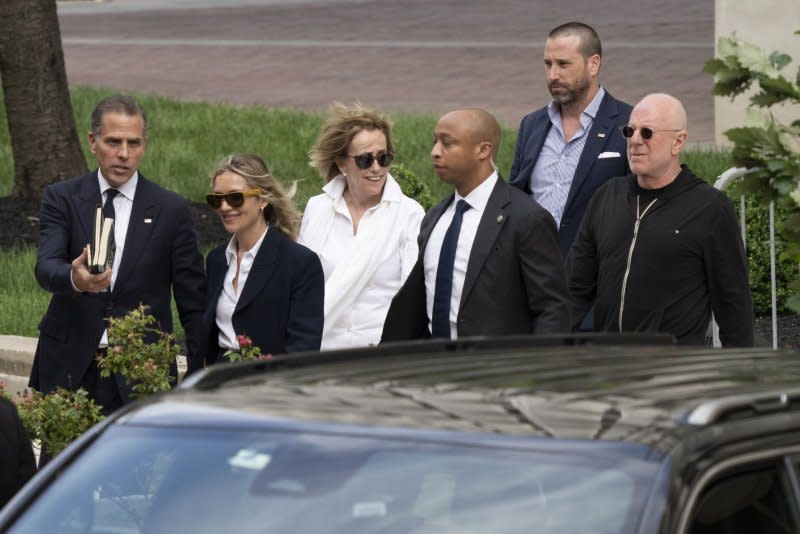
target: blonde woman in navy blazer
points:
(261, 284)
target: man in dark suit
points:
(156, 254)
(569, 148)
(489, 262)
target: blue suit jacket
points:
(281, 306)
(160, 258)
(591, 172)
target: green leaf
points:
(793, 303)
(754, 58)
(726, 46)
(776, 165)
(784, 186)
(779, 59)
(713, 66)
(781, 85)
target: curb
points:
(16, 354)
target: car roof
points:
(590, 387)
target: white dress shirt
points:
(386, 242)
(477, 199)
(123, 204)
(229, 297)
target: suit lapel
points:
(145, 208)
(537, 138)
(262, 270)
(599, 135)
(87, 199)
(215, 290)
(492, 221)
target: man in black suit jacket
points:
(569, 148)
(156, 254)
(505, 275)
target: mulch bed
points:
(20, 226)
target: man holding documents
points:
(154, 254)
(569, 148)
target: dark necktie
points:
(108, 212)
(440, 322)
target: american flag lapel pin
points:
(148, 220)
(601, 134)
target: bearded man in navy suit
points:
(156, 256)
(572, 146)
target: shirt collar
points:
(391, 189)
(230, 250)
(479, 197)
(127, 190)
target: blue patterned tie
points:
(440, 322)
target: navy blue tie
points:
(109, 212)
(440, 322)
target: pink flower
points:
(244, 341)
(264, 357)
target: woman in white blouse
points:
(362, 226)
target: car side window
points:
(751, 499)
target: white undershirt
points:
(477, 200)
(228, 297)
(123, 204)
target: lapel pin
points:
(601, 134)
(499, 219)
(148, 221)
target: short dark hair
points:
(590, 41)
(117, 104)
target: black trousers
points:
(104, 390)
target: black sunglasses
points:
(234, 200)
(644, 131)
(364, 161)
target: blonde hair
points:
(342, 123)
(280, 212)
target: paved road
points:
(402, 55)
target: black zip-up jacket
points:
(685, 260)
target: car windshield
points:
(135, 480)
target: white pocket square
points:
(604, 155)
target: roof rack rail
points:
(217, 375)
(717, 410)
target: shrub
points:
(412, 186)
(786, 270)
(55, 420)
(140, 352)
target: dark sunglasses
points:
(645, 132)
(234, 200)
(364, 161)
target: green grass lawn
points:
(186, 139)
